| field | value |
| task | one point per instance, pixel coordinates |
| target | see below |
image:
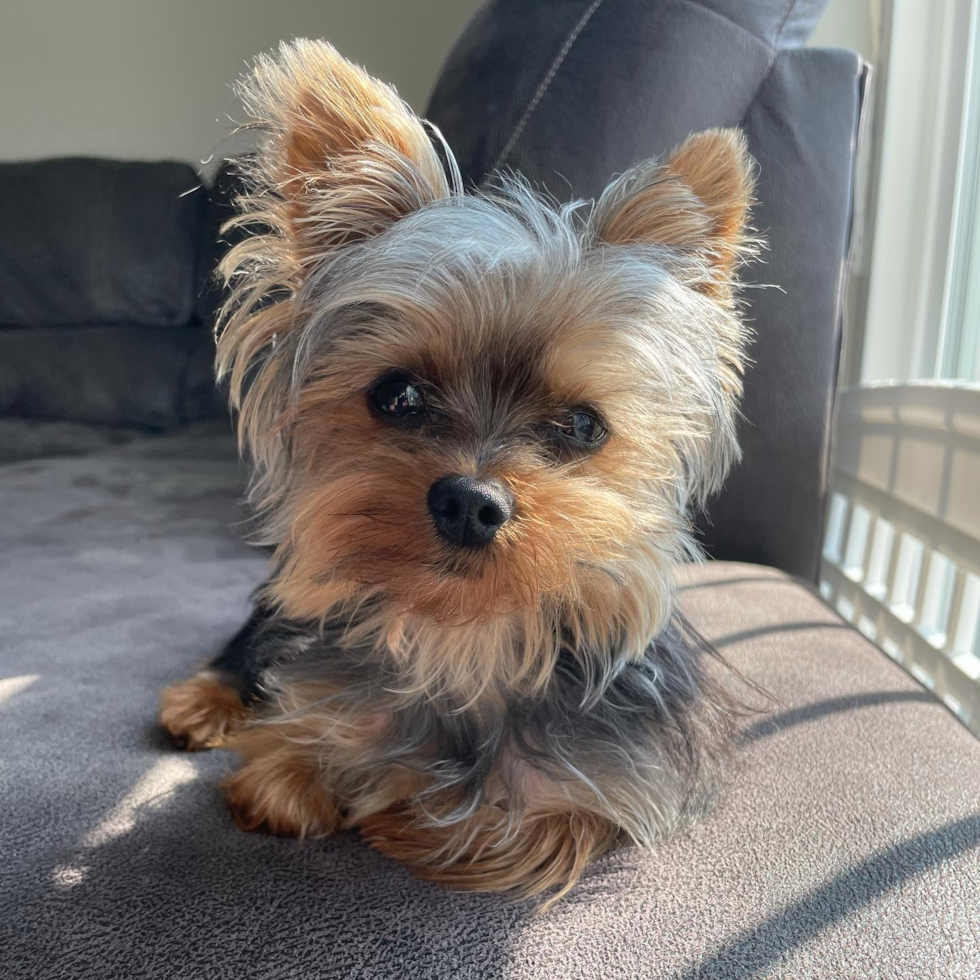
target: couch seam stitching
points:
(790, 7)
(545, 84)
(728, 19)
(776, 51)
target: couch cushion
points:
(114, 375)
(845, 845)
(98, 241)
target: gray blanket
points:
(846, 843)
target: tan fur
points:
(291, 782)
(699, 200)
(201, 712)
(280, 787)
(342, 158)
(345, 533)
(549, 853)
(383, 541)
(716, 165)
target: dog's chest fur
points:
(611, 741)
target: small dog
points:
(479, 426)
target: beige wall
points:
(849, 24)
(149, 79)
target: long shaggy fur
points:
(515, 710)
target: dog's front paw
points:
(283, 796)
(200, 712)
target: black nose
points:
(467, 511)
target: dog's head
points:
(476, 412)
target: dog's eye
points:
(585, 428)
(398, 398)
(582, 429)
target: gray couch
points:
(846, 842)
(104, 299)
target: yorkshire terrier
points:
(480, 423)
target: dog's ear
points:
(693, 210)
(340, 159)
(695, 203)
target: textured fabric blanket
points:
(846, 844)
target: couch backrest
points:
(570, 92)
(103, 269)
(92, 241)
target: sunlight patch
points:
(155, 787)
(9, 686)
(69, 875)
